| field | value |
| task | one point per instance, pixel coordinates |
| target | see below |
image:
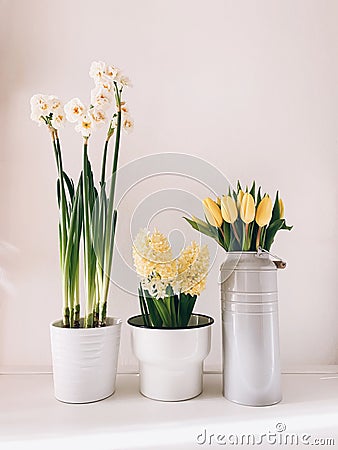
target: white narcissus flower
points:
(112, 72)
(58, 119)
(101, 97)
(128, 124)
(98, 116)
(39, 107)
(124, 109)
(125, 81)
(85, 125)
(54, 103)
(97, 70)
(107, 85)
(74, 110)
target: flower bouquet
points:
(242, 220)
(88, 216)
(169, 286)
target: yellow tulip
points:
(239, 198)
(264, 211)
(247, 208)
(229, 209)
(212, 212)
(281, 209)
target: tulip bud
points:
(247, 209)
(239, 198)
(212, 212)
(281, 209)
(218, 201)
(264, 211)
(229, 209)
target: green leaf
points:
(259, 196)
(239, 187)
(254, 236)
(275, 209)
(143, 307)
(271, 232)
(253, 189)
(186, 306)
(226, 230)
(163, 312)
(285, 227)
(153, 313)
(70, 186)
(202, 227)
(58, 191)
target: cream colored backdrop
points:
(251, 87)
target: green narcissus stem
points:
(111, 213)
(63, 228)
(89, 319)
(104, 162)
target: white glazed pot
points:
(85, 361)
(171, 359)
(251, 366)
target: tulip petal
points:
(264, 211)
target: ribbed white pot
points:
(85, 361)
(171, 359)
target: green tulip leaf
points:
(275, 209)
(259, 196)
(271, 231)
(253, 189)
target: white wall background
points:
(249, 86)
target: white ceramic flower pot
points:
(251, 366)
(171, 359)
(85, 361)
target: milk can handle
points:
(278, 262)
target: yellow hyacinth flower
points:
(239, 198)
(212, 212)
(281, 209)
(264, 211)
(229, 209)
(247, 208)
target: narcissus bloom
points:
(212, 212)
(98, 116)
(264, 211)
(58, 120)
(128, 124)
(247, 209)
(74, 110)
(125, 81)
(101, 97)
(97, 70)
(229, 209)
(85, 125)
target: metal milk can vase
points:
(251, 365)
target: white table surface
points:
(30, 417)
